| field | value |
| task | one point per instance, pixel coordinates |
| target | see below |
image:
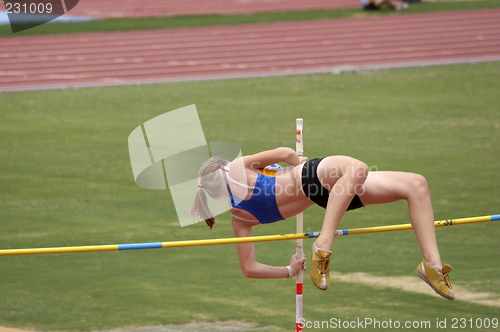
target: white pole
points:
(298, 243)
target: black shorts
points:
(315, 191)
(370, 6)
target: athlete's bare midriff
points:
(289, 195)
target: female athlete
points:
(261, 192)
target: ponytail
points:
(212, 183)
(200, 208)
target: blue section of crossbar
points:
(495, 217)
(345, 232)
(153, 245)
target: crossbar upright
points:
(299, 242)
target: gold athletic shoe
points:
(438, 279)
(320, 267)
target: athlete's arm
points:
(253, 269)
(265, 158)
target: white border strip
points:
(333, 70)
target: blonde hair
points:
(212, 182)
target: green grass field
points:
(66, 180)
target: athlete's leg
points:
(386, 187)
(344, 177)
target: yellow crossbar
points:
(174, 244)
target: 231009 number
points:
(33, 8)
(463, 323)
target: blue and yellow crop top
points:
(262, 205)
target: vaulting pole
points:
(265, 238)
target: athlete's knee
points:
(359, 171)
(419, 185)
(356, 176)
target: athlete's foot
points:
(320, 267)
(437, 278)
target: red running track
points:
(135, 8)
(138, 8)
(139, 57)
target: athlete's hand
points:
(297, 264)
(303, 160)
